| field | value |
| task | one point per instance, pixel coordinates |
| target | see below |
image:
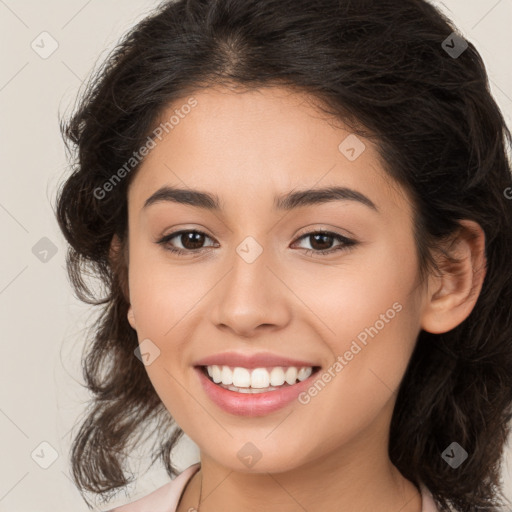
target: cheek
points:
(162, 293)
(161, 296)
(371, 309)
(370, 354)
(352, 293)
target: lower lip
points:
(252, 404)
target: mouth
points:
(256, 380)
(254, 392)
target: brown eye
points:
(321, 242)
(190, 240)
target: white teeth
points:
(258, 378)
(241, 377)
(304, 373)
(291, 375)
(249, 390)
(226, 375)
(277, 376)
(216, 376)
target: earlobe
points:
(131, 317)
(453, 295)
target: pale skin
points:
(332, 453)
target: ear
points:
(452, 295)
(119, 262)
(131, 317)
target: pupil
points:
(323, 236)
(194, 238)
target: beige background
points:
(43, 325)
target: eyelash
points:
(347, 243)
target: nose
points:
(251, 297)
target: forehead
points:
(257, 144)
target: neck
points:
(357, 477)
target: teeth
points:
(304, 373)
(277, 376)
(291, 375)
(241, 377)
(216, 374)
(258, 378)
(226, 376)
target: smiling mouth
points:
(259, 382)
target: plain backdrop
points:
(42, 324)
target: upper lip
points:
(258, 360)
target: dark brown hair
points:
(381, 67)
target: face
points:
(254, 277)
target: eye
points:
(192, 242)
(321, 239)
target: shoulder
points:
(163, 499)
(427, 501)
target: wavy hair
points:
(382, 68)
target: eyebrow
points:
(289, 201)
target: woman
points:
(367, 370)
